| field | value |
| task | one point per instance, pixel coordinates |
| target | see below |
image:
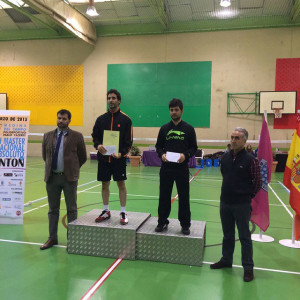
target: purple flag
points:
(260, 203)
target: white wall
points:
(242, 61)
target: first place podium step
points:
(108, 238)
(137, 239)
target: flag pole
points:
(291, 243)
(293, 230)
(266, 116)
(260, 237)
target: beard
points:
(175, 118)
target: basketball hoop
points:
(277, 113)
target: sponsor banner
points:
(14, 129)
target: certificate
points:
(172, 156)
(111, 142)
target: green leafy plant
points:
(135, 151)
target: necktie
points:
(55, 156)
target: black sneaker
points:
(220, 265)
(160, 228)
(185, 230)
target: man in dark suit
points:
(64, 153)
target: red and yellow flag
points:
(291, 177)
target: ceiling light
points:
(225, 3)
(91, 10)
(226, 14)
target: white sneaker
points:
(123, 218)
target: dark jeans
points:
(55, 185)
(181, 177)
(238, 214)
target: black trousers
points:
(238, 214)
(180, 175)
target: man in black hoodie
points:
(179, 137)
(241, 182)
(115, 164)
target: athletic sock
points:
(123, 209)
(106, 207)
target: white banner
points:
(14, 129)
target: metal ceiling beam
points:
(159, 8)
(295, 11)
(66, 16)
(32, 17)
(33, 34)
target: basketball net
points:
(277, 113)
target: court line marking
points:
(43, 198)
(34, 164)
(281, 202)
(156, 197)
(29, 243)
(60, 199)
(283, 186)
(261, 269)
(146, 196)
(101, 280)
(119, 260)
(198, 178)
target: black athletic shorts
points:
(116, 168)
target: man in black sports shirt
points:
(179, 137)
(115, 164)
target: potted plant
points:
(135, 156)
(275, 162)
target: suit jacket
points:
(74, 153)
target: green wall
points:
(147, 89)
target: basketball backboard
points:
(272, 101)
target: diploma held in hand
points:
(172, 156)
(111, 142)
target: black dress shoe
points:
(160, 228)
(248, 275)
(185, 230)
(220, 265)
(50, 243)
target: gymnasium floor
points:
(29, 273)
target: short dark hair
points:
(176, 102)
(64, 112)
(114, 91)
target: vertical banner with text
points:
(14, 128)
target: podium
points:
(108, 238)
(171, 246)
(137, 239)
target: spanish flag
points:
(291, 177)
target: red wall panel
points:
(287, 79)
